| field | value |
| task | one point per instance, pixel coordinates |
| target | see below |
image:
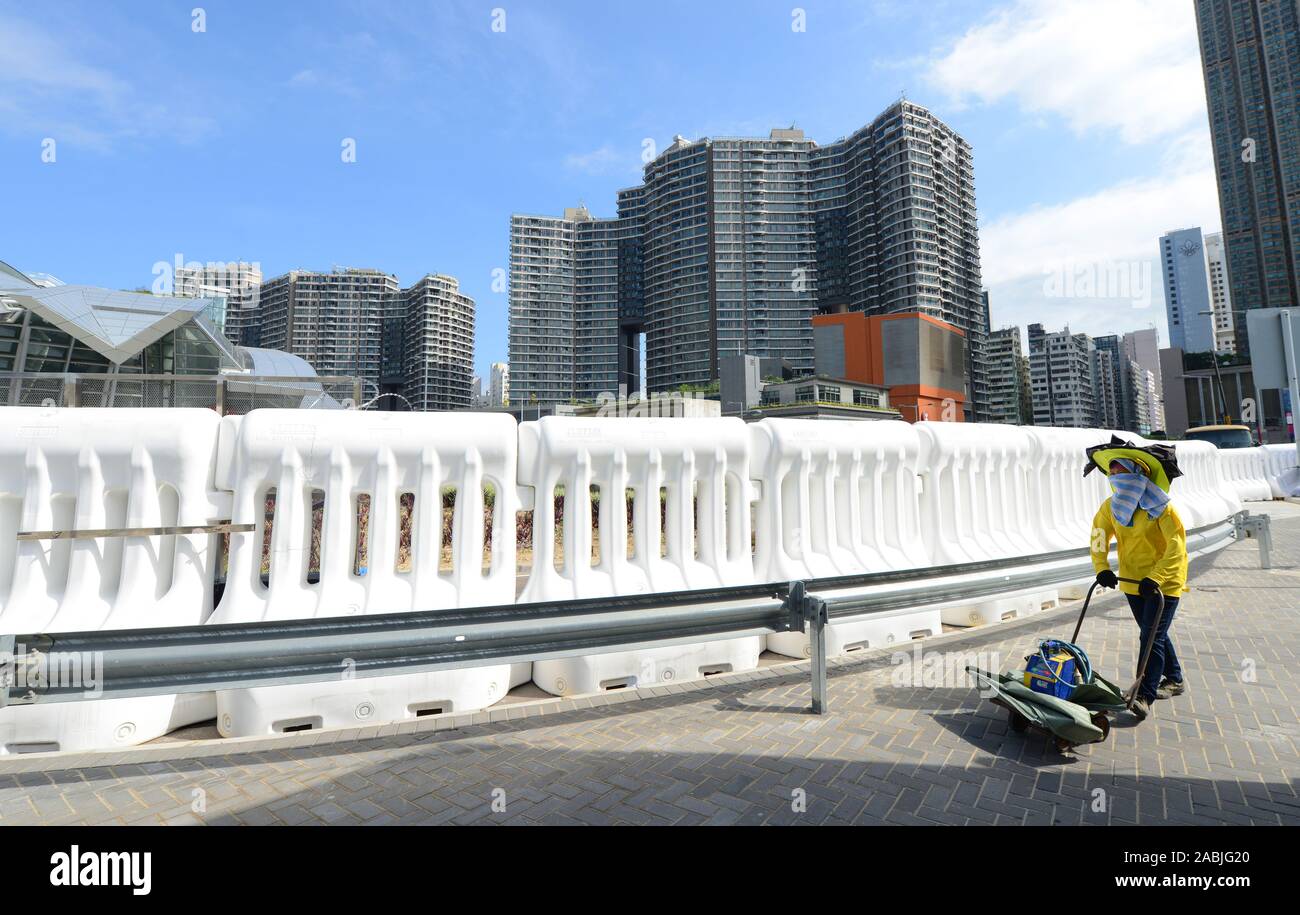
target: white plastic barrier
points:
(699, 470)
(1247, 471)
(1280, 464)
(1201, 495)
(362, 465)
(1065, 500)
(976, 505)
(100, 469)
(839, 497)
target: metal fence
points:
(227, 394)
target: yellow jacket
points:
(1149, 549)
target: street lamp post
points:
(1293, 377)
(1214, 359)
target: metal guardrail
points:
(103, 533)
(159, 661)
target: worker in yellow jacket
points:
(1152, 551)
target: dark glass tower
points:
(1250, 52)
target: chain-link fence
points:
(227, 394)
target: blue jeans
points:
(1164, 662)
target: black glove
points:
(1106, 578)
(1148, 587)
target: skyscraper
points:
(573, 315)
(417, 342)
(1187, 291)
(1061, 371)
(1143, 348)
(1225, 340)
(1006, 366)
(499, 385)
(1250, 54)
(437, 344)
(333, 320)
(729, 253)
(731, 245)
(1124, 388)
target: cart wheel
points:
(1019, 723)
(1062, 745)
(1099, 720)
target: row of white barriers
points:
(357, 500)
(1280, 466)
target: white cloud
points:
(1023, 302)
(50, 90)
(1108, 239)
(1119, 222)
(315, 79)
(605, 161)
(1124, 68)
(1132, 66)
(33, 58)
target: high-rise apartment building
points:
(731, 245)
(1061, 371)
(1107, 380)
(1187, 291)
(1007, 369)
(1250, 54)
(1225, 340)
(437, 344)
(1123, 386)
(896, 228)
(499, 385)
(417, 343)
(1143, 348)
(572, 281)
(335, 321)
(237, 282)
(730, 255)
(1148, 401)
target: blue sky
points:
(1086, 116)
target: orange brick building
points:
(919, 359)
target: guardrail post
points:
(817, 642)
(812, 611)
(8, 667)
(1257, 526)
(1265, 541)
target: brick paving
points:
(744, 749)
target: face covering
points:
(1133, 490)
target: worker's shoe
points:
(1170, 688)
(1140, 708)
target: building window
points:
(806, 394)
(866, 398)
(829, 394)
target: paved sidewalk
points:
(745, 750)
